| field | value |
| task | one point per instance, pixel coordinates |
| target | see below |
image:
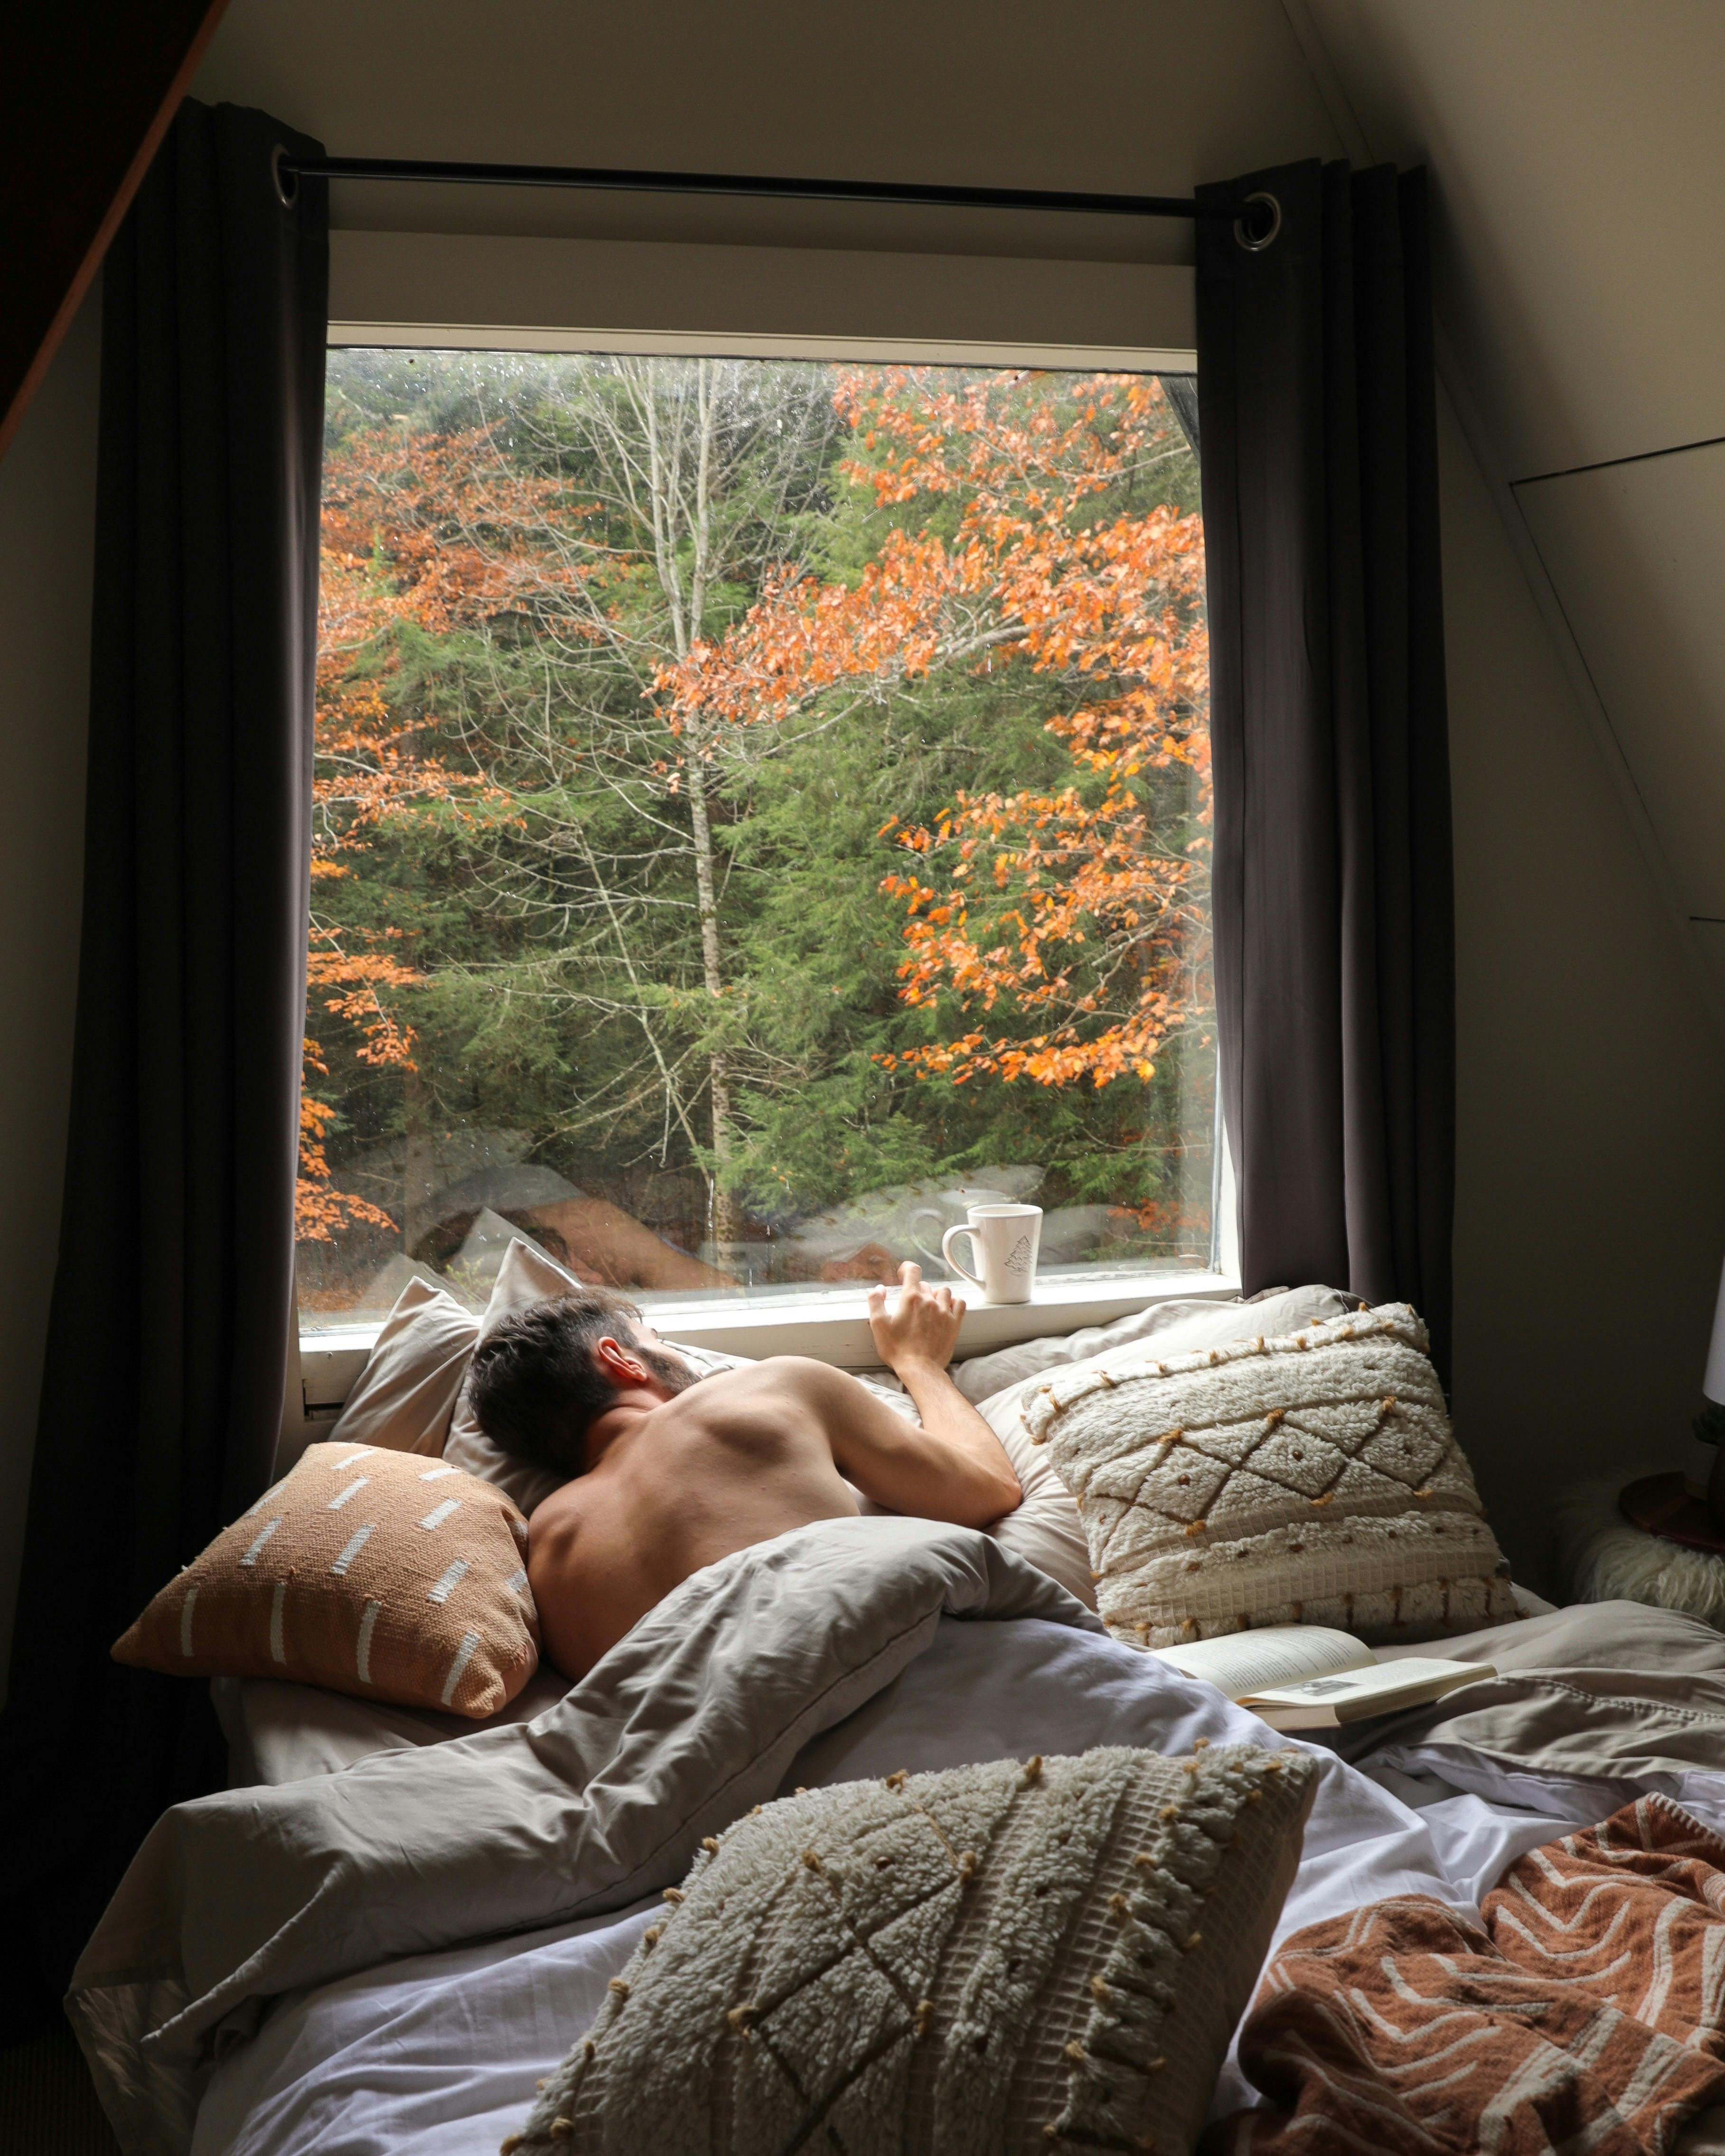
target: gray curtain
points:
(173, 1296)
(1181, 391)
(1333, 911)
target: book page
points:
(1352, 1695)
(1243, 1662)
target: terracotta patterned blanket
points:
(1588, 2014)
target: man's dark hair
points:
(538, 1387)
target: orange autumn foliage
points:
(403, 521)
(1068, 927)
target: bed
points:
(386, 1952)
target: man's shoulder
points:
(733, 1397)
(553, 1517)
(770, 1369)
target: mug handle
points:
(963, 1228)
(921, 1214)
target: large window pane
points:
(763, 809)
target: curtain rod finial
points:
(287, 181)
(1259, 227)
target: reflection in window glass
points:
(762, 810)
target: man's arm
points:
(952, 1468)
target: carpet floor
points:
(47, 2106)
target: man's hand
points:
(951, 1468)
(923, 1331)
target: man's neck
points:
(623, 1419)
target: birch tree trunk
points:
(677, 520)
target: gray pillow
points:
(982, 1960)
(405, 1393)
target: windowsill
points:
(834, 1326)
(831, 1325)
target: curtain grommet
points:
(1255, 242)
(287, 184)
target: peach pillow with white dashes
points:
(380, 1573)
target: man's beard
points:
(672, 1372)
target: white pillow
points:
(1172, 1329)
(1044, 1528)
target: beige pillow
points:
(369, 1571)
(981, 1960)
(405, 1396)
(1309, 1479)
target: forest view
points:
(761, 809)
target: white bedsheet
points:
(440, 2054)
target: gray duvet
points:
(1604, 1690)
(694, 1717)
(688, 1722)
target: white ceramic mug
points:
(1003, 1241)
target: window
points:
(762, 809)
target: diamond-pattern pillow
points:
(984, 1960)
(1312, 1479)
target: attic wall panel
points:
(1636, 555)
(1590, 1206)
(1579, 166)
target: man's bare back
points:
(681, 1478)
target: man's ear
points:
(619, 1363)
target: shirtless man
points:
(671, 1471)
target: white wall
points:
(47, 532)
(1591, 1147)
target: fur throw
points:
(1606, 1558)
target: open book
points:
(1305, 1677)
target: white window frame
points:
(482, 293)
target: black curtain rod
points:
(607, 177)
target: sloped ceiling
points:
(1579, 167)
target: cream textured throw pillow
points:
(1312, 1479)
(1046, 1529)
(380, 1574)
(964, 1964)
